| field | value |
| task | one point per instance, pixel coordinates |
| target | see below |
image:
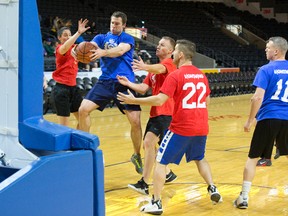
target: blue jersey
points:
(273, 78)
(111, 67)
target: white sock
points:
(246, 186)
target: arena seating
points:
(197, 22)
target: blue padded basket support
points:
(31, 61)
(55, 185)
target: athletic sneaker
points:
(140, 187)
(277, 155)
(264, 162)
(214, 194)
(170, 177)
(153, 207)
(137, 161)
(241, 202)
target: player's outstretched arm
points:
(155, 100)
(138, 65)
(141, 88)
(81, 28)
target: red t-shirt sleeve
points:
(169, 86)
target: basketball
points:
(83, 51)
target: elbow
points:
(121, 52)
(142, 92)
(159, 103)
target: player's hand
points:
(73, 53)
(123, 80)
(126, 98)
(248, 125)
(82, 25)
(97, 53)
(138, 64)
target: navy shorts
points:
(67, 99)
(158, 125)
(174, 146)
(105, 91)
(267, 133)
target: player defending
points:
(187, 133)
(160, 116)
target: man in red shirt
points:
(160, 116)
(188, 130)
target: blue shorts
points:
(105, 91)
(174, 146)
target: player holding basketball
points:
(115, 51)
(160, 116)
(187, 133)
(66, 95)
(269, 105)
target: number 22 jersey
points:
(189, 88)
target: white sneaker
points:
(214, 194)
(154, 207)
(241, 202)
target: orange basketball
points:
(83, 51)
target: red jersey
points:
(189, 87)
(155, 81)
(66, 68)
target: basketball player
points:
(160, 116)
(66, 95)
(187, 133)
(269, 105)
(115, 51)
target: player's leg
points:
(149, 154)
(133, 117)
(196, 151)
(155, 205)
(61, 97)
(63, 120)
(261, 145)
(97, 98)
(85, 109)
(205, 171)
(76, 103)
(169, 152)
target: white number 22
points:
(279, 89)
(194, 104)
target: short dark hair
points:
(187, 47)
(120, 14)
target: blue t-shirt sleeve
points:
(261, 79)
(98, 39)
(128, 39)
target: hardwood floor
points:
(226, 151)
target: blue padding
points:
(37, 133)
(83, 140)
(57, 185)
(99, 197)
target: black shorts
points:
(67, 99)
(158, 125)
(267, 133)
(105, 91)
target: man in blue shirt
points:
(269, 105)
(115, 51)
